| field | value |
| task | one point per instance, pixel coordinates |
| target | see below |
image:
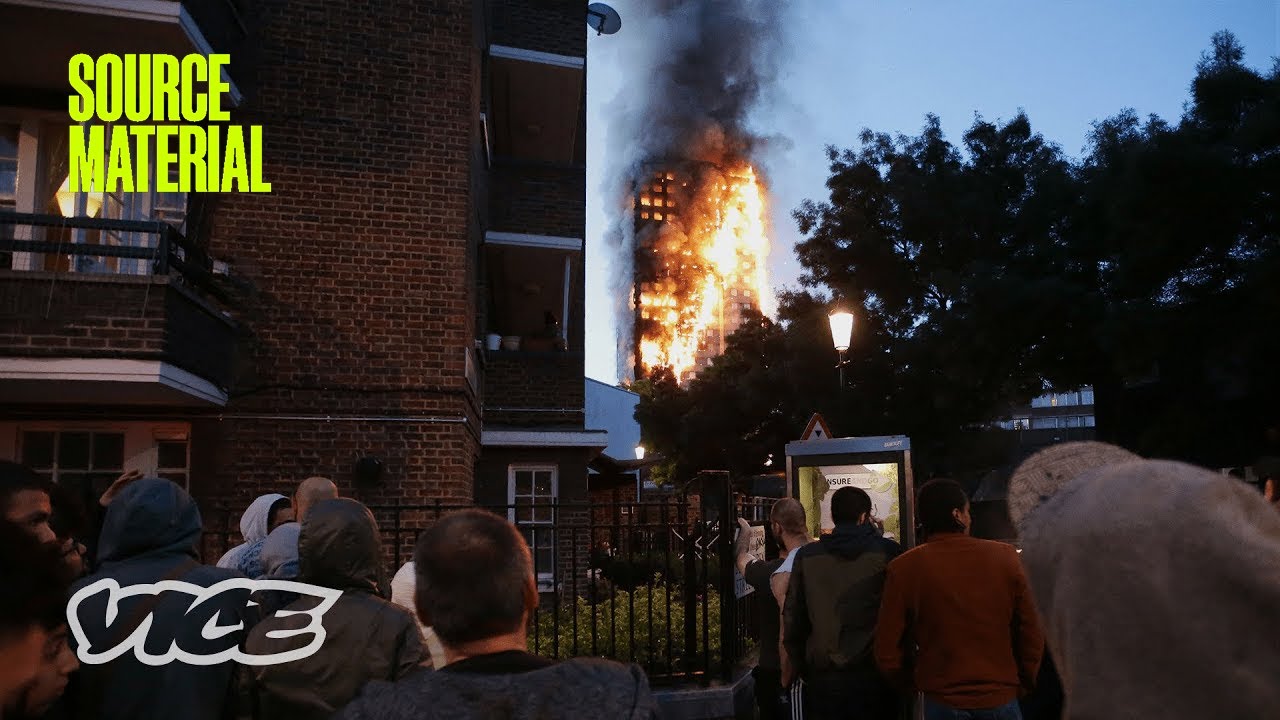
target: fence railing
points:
(645, 582)
(152, 247)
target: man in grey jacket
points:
(366, 637)
(475, 586)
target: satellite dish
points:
(604, 19)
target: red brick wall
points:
(361, 306)
(112, 316)
(520, 387)
(554, 26)
(542, 201)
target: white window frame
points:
(545, 577)
(142, 206)
(141, 439)
(55, 471)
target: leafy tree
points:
(982, 273)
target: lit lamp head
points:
(639, 452)
(67, 200)
(841, 328)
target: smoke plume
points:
(696, 70)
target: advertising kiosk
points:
(817, 467)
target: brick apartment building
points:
(428, 190)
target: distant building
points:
(1052, 418)
(1053, 411)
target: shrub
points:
(644, 625)
(640, 569)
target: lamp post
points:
(841, 332)
(639, 472)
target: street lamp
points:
(639, 452)
(841, 332)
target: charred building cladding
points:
(700, 246)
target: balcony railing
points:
(165, 251)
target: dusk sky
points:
(884, 65)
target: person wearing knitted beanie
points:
(1158, 583)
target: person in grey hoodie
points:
(1158, 582)
(279, 562)
(263, 515)
(149, 535)
(475, 586)
(366, 637)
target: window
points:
(83, 462)
(532, 491)
(1086, 396)
(70, 457)
(41, 140)
(8, 182)
(8, 166)
(172, 460)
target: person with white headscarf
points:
(402, 588)
(263, 515)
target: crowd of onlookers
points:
(1153, 584)
(446, 638)
(1137, 589)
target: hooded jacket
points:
(150, 534)
(279, 562)
(582, 689)
(367, 638)
(1159, 585)
(833, 599)
(254, 525)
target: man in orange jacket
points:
(957, 621)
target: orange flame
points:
(710, 264)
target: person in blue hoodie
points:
(150, 534)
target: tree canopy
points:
(982, 274)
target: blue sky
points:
(884, 64)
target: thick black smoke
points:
(696, 71)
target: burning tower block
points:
(699, 262)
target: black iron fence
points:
(646, 582)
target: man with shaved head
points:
(475, 586)
(311, 491)
(787, 524)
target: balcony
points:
(533, 389)
(90, 322)
(537, 105)
(45, 34)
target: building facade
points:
(427, 162)
(668, 263)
